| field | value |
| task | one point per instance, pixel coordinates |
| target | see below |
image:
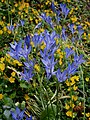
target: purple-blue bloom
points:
(37, 39)
(80, 30)
(25, 51)
(27, 40)
(61, 76)
(22, 22)
(69, 52)
(64, 36)
(49, 66)
(38, 25)
(71, 27)
(47, 19)
(15, 50)
(17, 115)
(64, 9)
(53, 7)
(29, 118)
(78, 60)
(72, 69)
(11, 27)
(27, 75)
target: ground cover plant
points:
(44, 60)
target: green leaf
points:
(48, 113)
(7, 113)
(23, 85)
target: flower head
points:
(61, 76)
(64, 9)
(17, 115)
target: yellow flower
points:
(1, 96)
(1, 23)
(88, 23)
(58, 51)
(4, 17)
(11, 80)
(74, 97)
(19, 13)
(57, 41)
(41, 30)
(2, 66)
(71, 11)
(16, 5)
(43, 45)
(84, 35)
(67, 82)
(72, 82)
(2, 59)
(69, 113)
(17, 62)
(75, 87)
(4, 28)
(68, 0)
(37, 67)
(87, 79)
(69, 89)
(26, 11)
(60, 61)
(13, 10)
(47, 2)
(74, 19)
(89, 35)
(21, 7)
(9, 31)
(13, 74)
(26, 97)
(76, 78)
(87, 114)
(30, 18)
(32, 43)
(67, 106)
(1, 32)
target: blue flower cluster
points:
(23, 49)
(20, 115)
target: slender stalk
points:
(57, 100)
(83, 90)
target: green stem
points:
(83, 90)
(57, 100)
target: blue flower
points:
(72, 69)
(61, 76)
(22, 22)
(53, 7)
(15, 50)
(29, 65)
(27, 75)
(80, 30)
(71, 27)
(27, 40)
(38, 25)
(64, 9)
(64, 36)
(78, 60)
(49, 66)
(17, 115)
(29, 118)
(25, 51)
(11, 27)
(37, 39)
(69, 52)
(47, 19)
